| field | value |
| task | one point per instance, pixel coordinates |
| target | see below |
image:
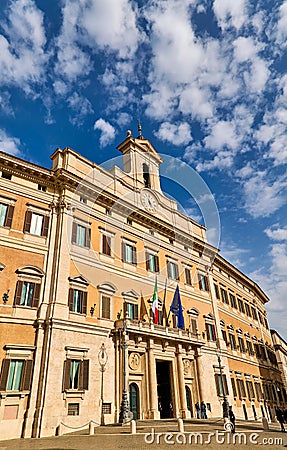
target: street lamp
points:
(125, 410)
(103, 359)
(225, 405)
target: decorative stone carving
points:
(134, 361)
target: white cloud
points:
(262, 195)
(81, 106)
(107, 131)
(176, 134)
(9, 144)
(282, 24)
(22, 54)
(230, 13)
(277, 234)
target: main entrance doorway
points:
(163, 374)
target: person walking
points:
(203, 410)
(232, 418)
(280, 418)
(197, 408)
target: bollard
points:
(265, 424)
(91, 428)
(133, 427)
(59, 430)
(180, 425)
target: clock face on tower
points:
(148, 200)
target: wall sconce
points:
(6, 296)
(92, 310)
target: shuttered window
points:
(224, 296)
(232, 341)
(250, 389)
(37, 224)
(132, 310)
(187, 274)
(210, 332)
(241, 388)
(172, 270)
(27, 294)
(106, 307)
(203, 282)
(221, 385)
(76, 374)
(233, 384)
(129, 254)
(232, 300)
(81, 235)
(241, 344)
(106, 244)
(152, 262)
(16, 375)
(6, 215)
(78, 301)
(193, 326)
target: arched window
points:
(146, 175)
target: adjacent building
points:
(81, 249)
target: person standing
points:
(203, 410)
(280, 418)
(232, 418)
(197, 408)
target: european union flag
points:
(176, 308)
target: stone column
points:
(181, 384)
(154, 412)
(199, 374)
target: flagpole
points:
(163, 306)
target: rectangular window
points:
(152, 262)
(16, 375)
(37, 224)
(129, 253)
(210, 332)
(172, 270)
(247, 309)
(217, 294)
(224, 335)
(193, 326)
(106, 307)
(241, 388)
(132, 310)
(240, 305)
(107, 408)
(259, 393)
(249, 347)
(241, 344)
(224, 296)
(7, 175)
(221, 385)
(76, 374)
(257, 350)
(78, 301)
(106, 244)
(73, 409)
(6, 215)
(250, 389)
(232, 341)
(254, 314)
(27, 294)
(203, 282)
(41, 188)
(81, 235)
(233, 387)
(232, 300)
(187, 274)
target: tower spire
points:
(140, 129)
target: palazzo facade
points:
(81, 248)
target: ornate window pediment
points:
(130, 294)
(30, 270)
(193, 312)
(107, 288)
(79, 279)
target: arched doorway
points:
(188, 400)
(134, 400)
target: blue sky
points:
(208, 80)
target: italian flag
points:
(155, 303)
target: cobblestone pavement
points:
(200, 434)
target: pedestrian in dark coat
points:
(280, 418)
(232, 418)
(197, 408)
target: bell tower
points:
(141, 160)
